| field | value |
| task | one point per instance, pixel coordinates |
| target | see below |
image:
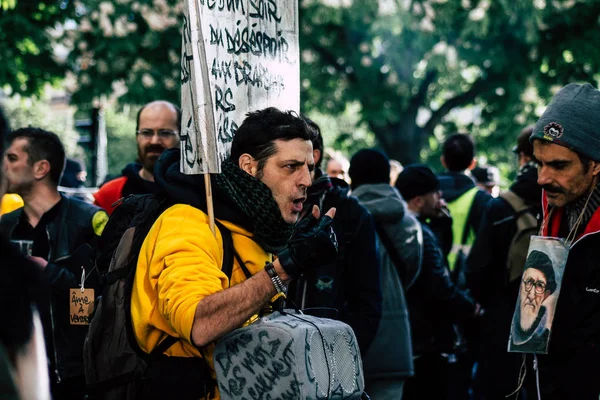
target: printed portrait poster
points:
(539, 291)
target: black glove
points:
(313, 243)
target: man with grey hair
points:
(530, 323)
(566, 143)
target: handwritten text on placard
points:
(238, 56)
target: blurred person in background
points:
(23, 365)
(336, 165)
(487, 178)
(495, 267)
(389, 361)
(466, 203)
(73, 178)
(157, 129)
(435, 303)
(395, 169)
(60, 230)
(74, 175)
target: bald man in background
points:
(157, 129)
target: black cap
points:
(540, 261)
(486, 175)
(369, 166)
(523, 144)
(416, 180)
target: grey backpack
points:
(288, 355)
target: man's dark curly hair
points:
(259, 131)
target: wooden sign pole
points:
(209, 203)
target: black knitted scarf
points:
(255, 199)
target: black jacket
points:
(351, 285)
(434, 302)
(572, 366)
(135, 184)
(71, 228)
(487, 280)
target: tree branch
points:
(380, 134)
(419, 99)
(330, 59)
(480, 86)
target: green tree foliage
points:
(120, 128)
(29, 50)
(128, 45)
(418, 69)
(411, 64)
(344, 131)
(119, 122)
(122, 147)
(23, 112)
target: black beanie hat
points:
(486, 175)
(369, 166)
(523, 145)
(540, 261)
(416, 180)
(572, 119)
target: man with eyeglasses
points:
(157, 129)
(530, 325)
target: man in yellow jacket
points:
(179, 289)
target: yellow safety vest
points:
(460, 209)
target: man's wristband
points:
(279, 286)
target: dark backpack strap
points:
(242, 264)
(163, 346)
(228, 251)
(390, 248)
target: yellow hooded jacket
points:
(180, 264)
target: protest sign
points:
(81, 306)
(237, 56)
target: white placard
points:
(237, 56)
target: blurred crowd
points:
(432, 270)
